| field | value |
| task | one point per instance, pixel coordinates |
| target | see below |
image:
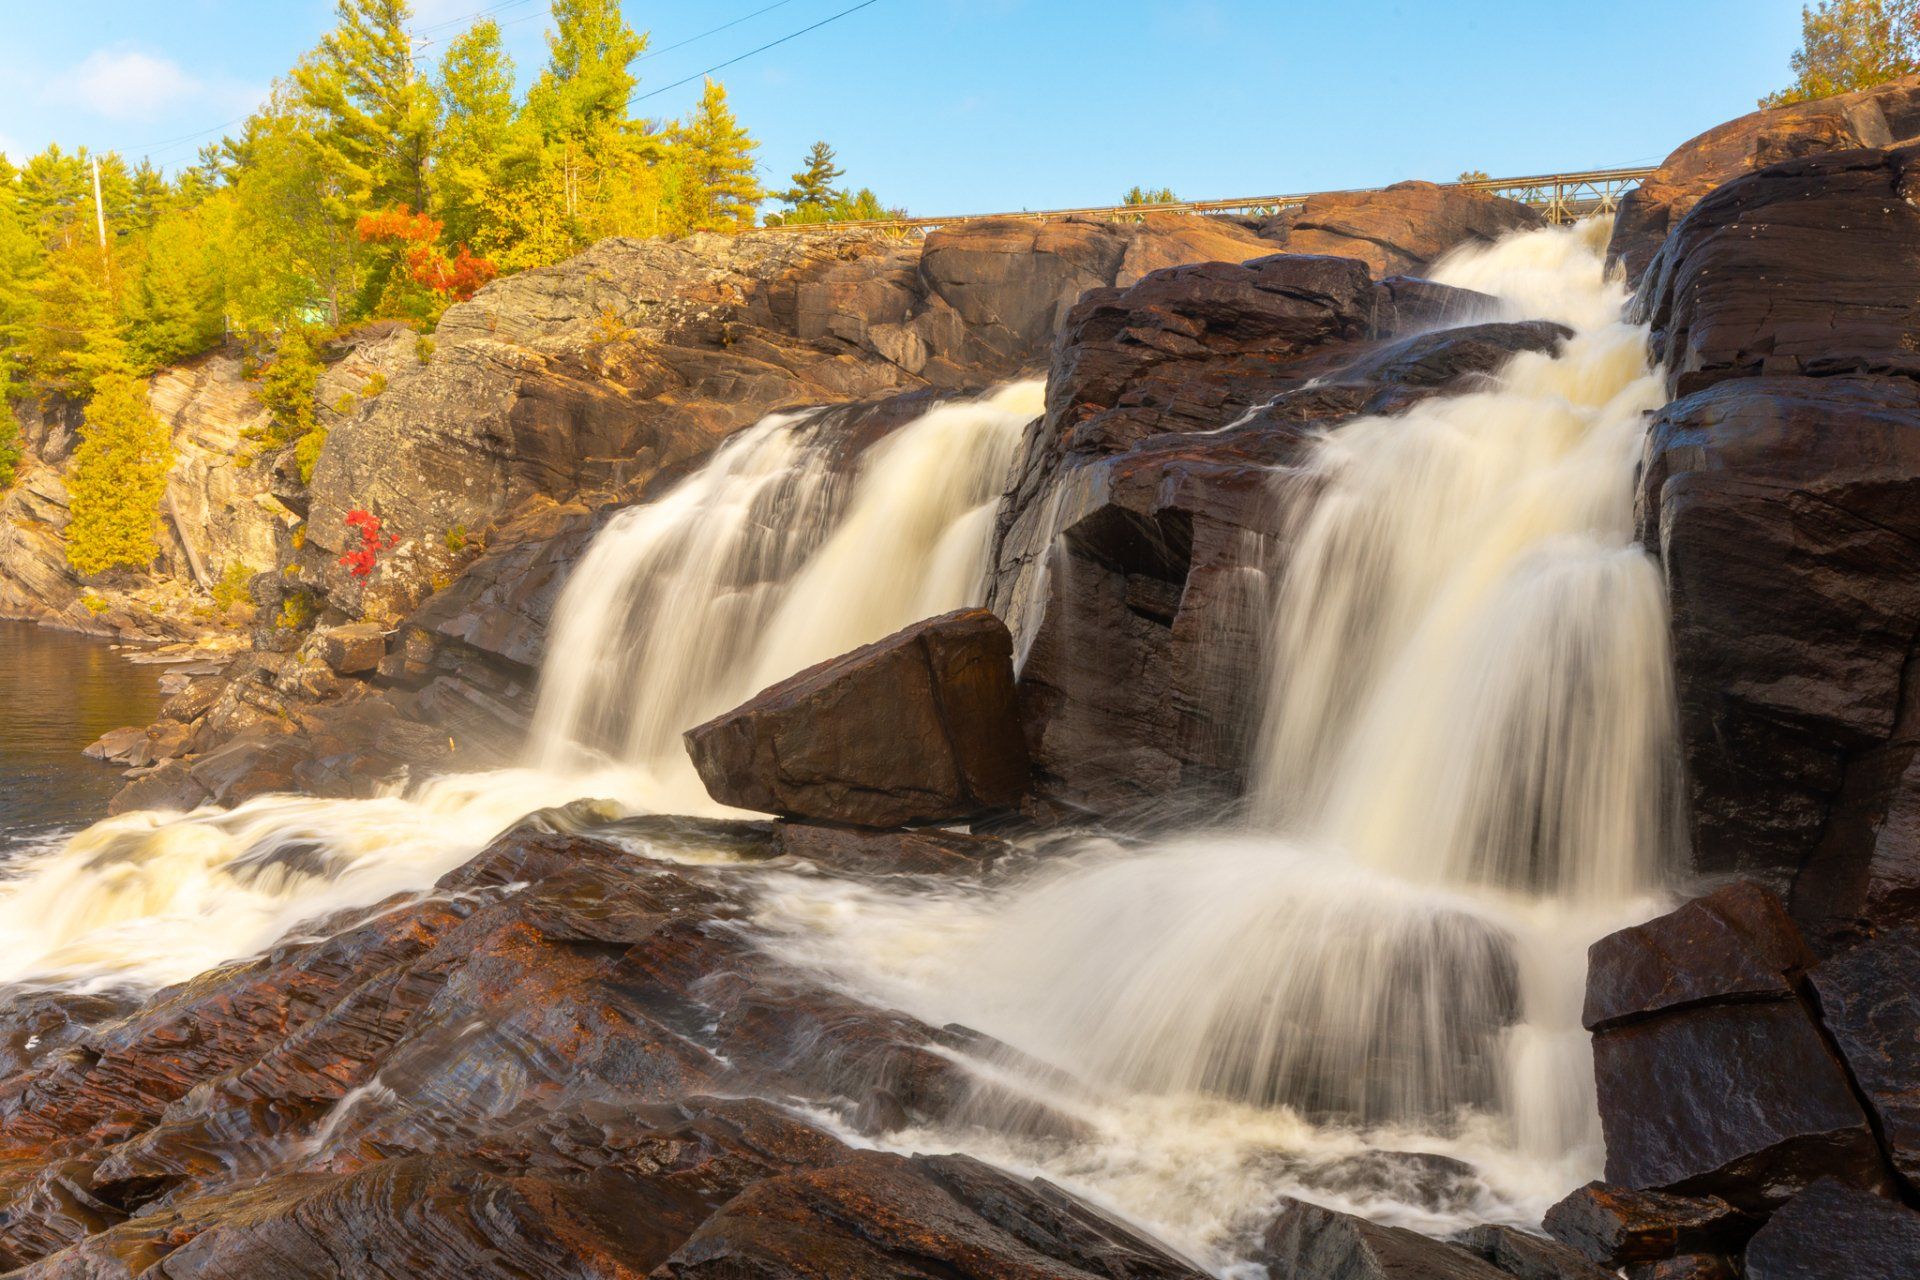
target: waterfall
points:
(1467, 774)
(769, 560)
(788, 547)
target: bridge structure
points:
(1561, 197)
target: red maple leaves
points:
(360, 562)
(454, 278)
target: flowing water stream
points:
(1466, 776)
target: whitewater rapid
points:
(1465, 777)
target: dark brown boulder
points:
(1786, 512)
(1882, 116)
(1403, 229)
(1737, 943)
(1527, 1257)
(1834, 1232)
(1808, 267)
(1687, 1266)
(1307, 1242)
(919, 727)
(885, 1217)
(1742, 1101)
(1614, 1225)
(1870, 1004)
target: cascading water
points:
(777, 554)
(1466, 776)
(766, 562)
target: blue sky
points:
(954, 106)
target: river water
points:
(58, 692)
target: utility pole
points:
(99, 209)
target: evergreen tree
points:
(289, 259)
(20, 257)
(76, 336)
(176, 309)
(117, 480)
(813, 185)
(374, 117)
(714, 156)
(476, 106)
(588, 78)
(150, 196)
(1150, 195)
(1852, 44)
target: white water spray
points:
(777, 554)
(1467, 775)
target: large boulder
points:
(1870, 1003)
(919, 727)
(1403, 229)
(1713, 1077)
(1834, 1232)
(1882, 116)
(1808, 267)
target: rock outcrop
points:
(1401, 230)
(1132, 556)
(1780, 491)
(1885, 115)
(549, 1066)
(919, 727)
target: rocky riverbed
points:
(577, 1053)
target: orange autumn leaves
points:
(452, 279)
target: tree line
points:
(366, 187)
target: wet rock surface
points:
(1314, 1243)
(565, 1060)
(1831, 1231)
(919, 727)
(1613, 1225)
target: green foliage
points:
(1473, 175)
(1151, 195)
(231, 589)
(118, 479)
(262, 237)
(177, 306)
(93, 603)
(1851, 44)
(297, 612)
(457, 539)
(813, 184)
(288, 386)
(714, 159)
(373, 118)
(373, 386)
(475, 90)
(9, 447)
(423, 348)
(306, 453)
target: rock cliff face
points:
(1886, 115)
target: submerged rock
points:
(919, 727)
(1307, 1242)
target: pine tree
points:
(476, 106)
(1852, 44)
(1150, 195)
(715, 158)
(375, 117)
(813, 185)
(20, 259)
(151, 195)
(117, 480)
(176, 309)
(588, 77)
(76, 336)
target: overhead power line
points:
(720, 66)
(654, 53)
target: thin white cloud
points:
(126, 84)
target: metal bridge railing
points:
(1562, 197)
